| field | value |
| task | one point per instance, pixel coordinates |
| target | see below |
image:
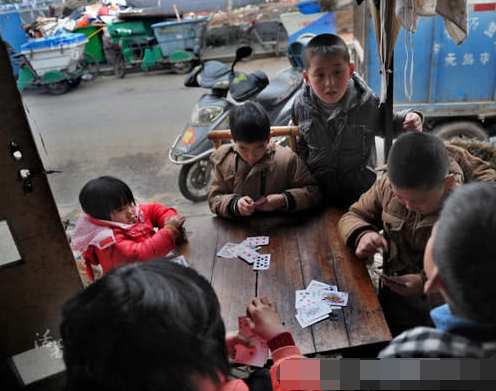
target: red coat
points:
(111, 244)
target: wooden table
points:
(303, 247)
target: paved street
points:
(119, 127)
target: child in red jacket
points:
(157, 326)
(114, 230)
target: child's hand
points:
(246, 206)
(274, 202)
(369, 244)
(175, 221)
(233, 338)
(414, 285)
(174, 225)
(263, 318)
(412, 122)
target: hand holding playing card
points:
(233, 339)
(263, 318)
(246, 206)
(274, 202)
(413, 284)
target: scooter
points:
(192, 148)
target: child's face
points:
(328, 76)
(423, 201)
(251, 152)
(126, 214)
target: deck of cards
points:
(317, 301)
(247, 251)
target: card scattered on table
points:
(180, 260)
(255, 356)
(317, 301)
(225, 252)
(247, 250)
(262, 262)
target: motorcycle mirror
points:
(241, 52)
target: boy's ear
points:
(449, 182)
(306, 78)
(434, 283)
(352, 68)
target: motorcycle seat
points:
(279, 89)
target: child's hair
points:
(325, 44)
(464, 250)
(418, 160)
(249, 123)
(151, 326)
(104, 195)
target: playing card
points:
(262, 262)
(303, 298)
(305, 322)
(317, 285)
(255, 356)
(261, 201)
(243, 327)
(254, 241)
(336, 298)
(246, 253)
(180, 260)
(225, 252)
(314, 311)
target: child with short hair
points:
(157, 326)
(114, 230)
(460, 263)
(405, 203)
(339, 116)
(255, 175)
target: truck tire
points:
(461, 129)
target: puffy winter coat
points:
(110, 244)
(339, 146)
(279, 171)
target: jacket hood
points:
(99, 233)
(357, 93)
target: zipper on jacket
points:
(262, 181)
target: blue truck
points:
(454, 86)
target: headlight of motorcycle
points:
(221, 84)
(205, 115)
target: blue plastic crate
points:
(182, 35)
(53, 41)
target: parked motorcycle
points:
(192, 148)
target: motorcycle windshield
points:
(212, 72)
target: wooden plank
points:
(364, 319)
(284, 276)
(199, 251)
(234, 280)
(318, 264)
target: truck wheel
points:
(461, 129)
(194, 180)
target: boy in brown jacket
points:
(405, 203)
(253, 175)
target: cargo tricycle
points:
(172, 46)
(55, 63)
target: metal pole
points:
(388, 110)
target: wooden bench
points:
(275, 131)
